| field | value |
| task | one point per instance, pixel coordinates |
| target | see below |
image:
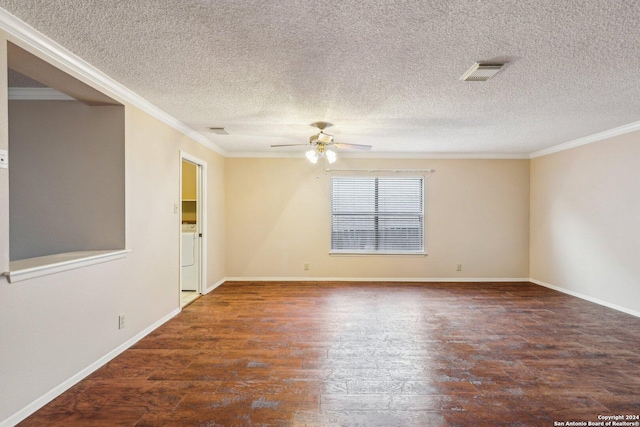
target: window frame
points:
(369, 252)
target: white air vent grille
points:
(481, 72)
(219, 131)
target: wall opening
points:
(67, 165)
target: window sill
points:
(354, 253)
(31, 268)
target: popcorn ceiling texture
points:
(386, 73)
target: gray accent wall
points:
(66, 178)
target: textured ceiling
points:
(385, 73)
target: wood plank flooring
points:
(366, 354)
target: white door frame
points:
(201, 213)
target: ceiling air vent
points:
(481, 72)
(219, 131)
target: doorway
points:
(193, 172)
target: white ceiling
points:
(385, 73)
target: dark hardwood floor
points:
(366, 354)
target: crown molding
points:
(379, 155)
(266, 154)
(54, 52)
(47, 48)
(422, 155)
(621, 130)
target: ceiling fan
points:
(323, 144)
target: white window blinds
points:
(377, 215)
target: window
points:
(377, 215)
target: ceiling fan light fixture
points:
(312, 156)
(324, 138)
(322, 145)
(331, 156)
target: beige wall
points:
(585, 220)
(52, 327)
(476, 214)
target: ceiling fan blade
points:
(352, 146)
(289, 145)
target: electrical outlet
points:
(121, 321)
(306, 265)
(459, 267)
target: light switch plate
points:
(4, 159)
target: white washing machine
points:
(190, 257)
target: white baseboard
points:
(431, 279)
(372, 279)
(587, 297)
(67, 384)
(215, 285)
